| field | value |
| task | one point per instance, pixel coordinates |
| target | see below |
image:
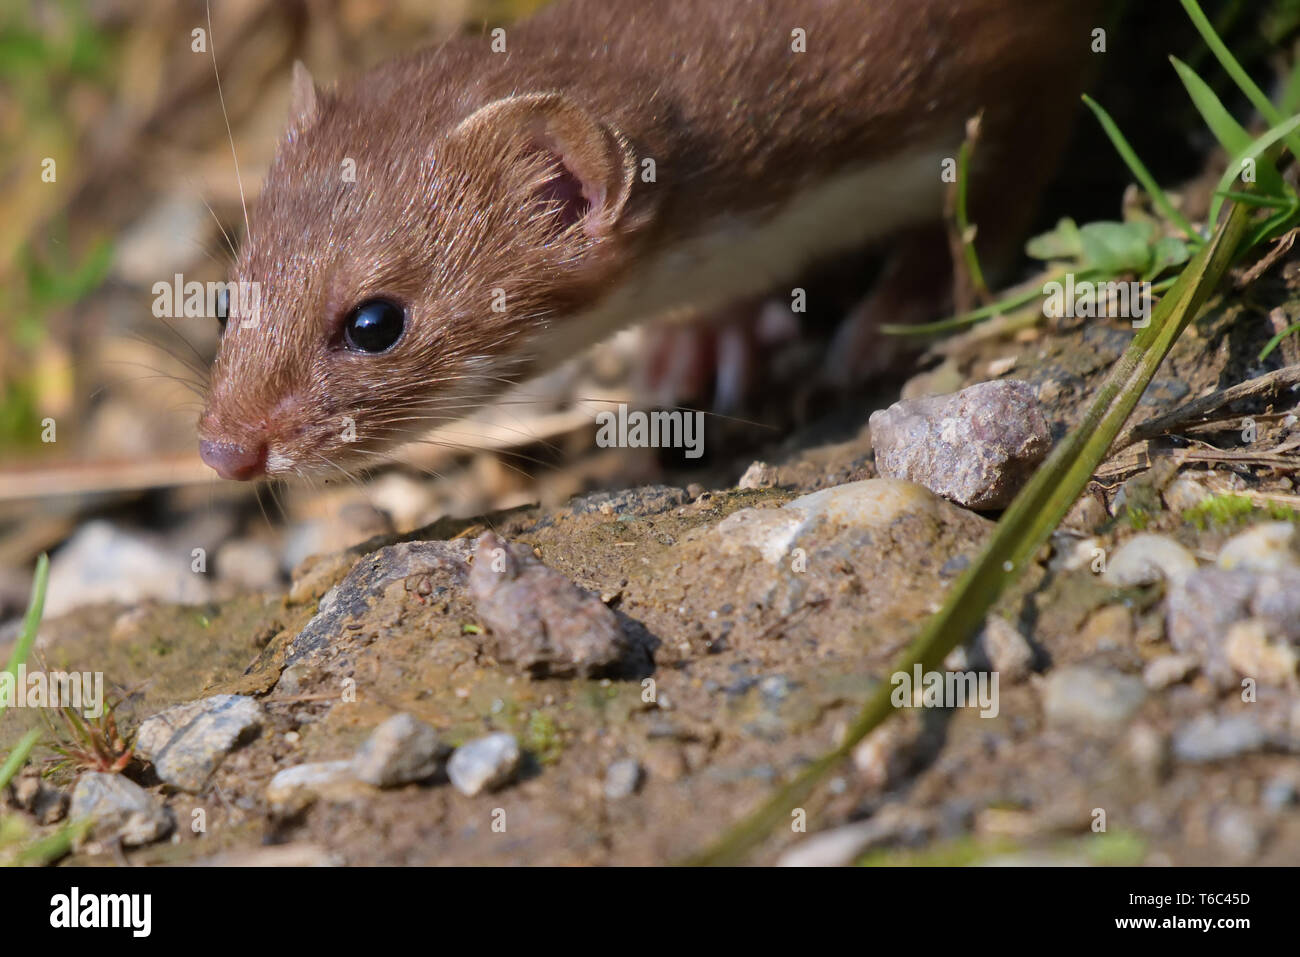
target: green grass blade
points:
(1271, 113)
(1024, 527)
(1277, 339)
(1257, 148)
(1014, 301)
(32, 620)
(1263, 202)
(973, 267)
(1290, 101)
(18, 756)
(56, 845)
(1232, 136)
(1139, 170)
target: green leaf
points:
(1115, 248)
(1062, 243)
(1167, 253)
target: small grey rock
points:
(1091, 699)
(1146, 558)
(104, 563)
(866, 504)
(1280, 793)
(186, 743)
(643, 500)
(537, 618)
(1199, 611)
(30, 792)
(249, 564)
(484, 763)
(758, 475)
(351, 600)
(841, 846)
(976, 447)
(1148, 749)
(1265, 547)
(1236, 833)
(1005, 649)
(119, 808)
(622, 778)
(300, 783)
(1168, 670)
(401, 750)
(1277, 601)
(1208, 737)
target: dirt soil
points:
(746, 669)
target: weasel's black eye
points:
(223, 306)
(374, 326)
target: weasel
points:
(508, 208)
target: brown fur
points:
(452, 146)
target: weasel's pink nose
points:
(232, 461)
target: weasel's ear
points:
(304, 100)
(589, 165)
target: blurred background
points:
(116, 172)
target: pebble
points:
(484, 763)
(1168, 670)
(1265, 547)
(1146, 558)
(1184, 493)
(883, 756)
(1091, 699)
(103, 563)
(275, 855)
(871, 503)
(998, 646)
(537, 619)
(1007, 650)
(1250, 650)
(842, 846)
(345, 526)
(186, 743)
(31, 793)
(1148, 749)
(249, 565)
(758, 475)
(1107, 628)
(622, 779)
(1277, 601)
(643, 500)
(1199, 611)
(1202, 611)
(1235, 832)
(1280, 793)
(1208, 737)
(976, 447)
(297, 786)
(401, 750)
(353, 598)
(119, 808)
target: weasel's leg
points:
(714, 357)
(914, 286)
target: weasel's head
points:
(388, 284)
